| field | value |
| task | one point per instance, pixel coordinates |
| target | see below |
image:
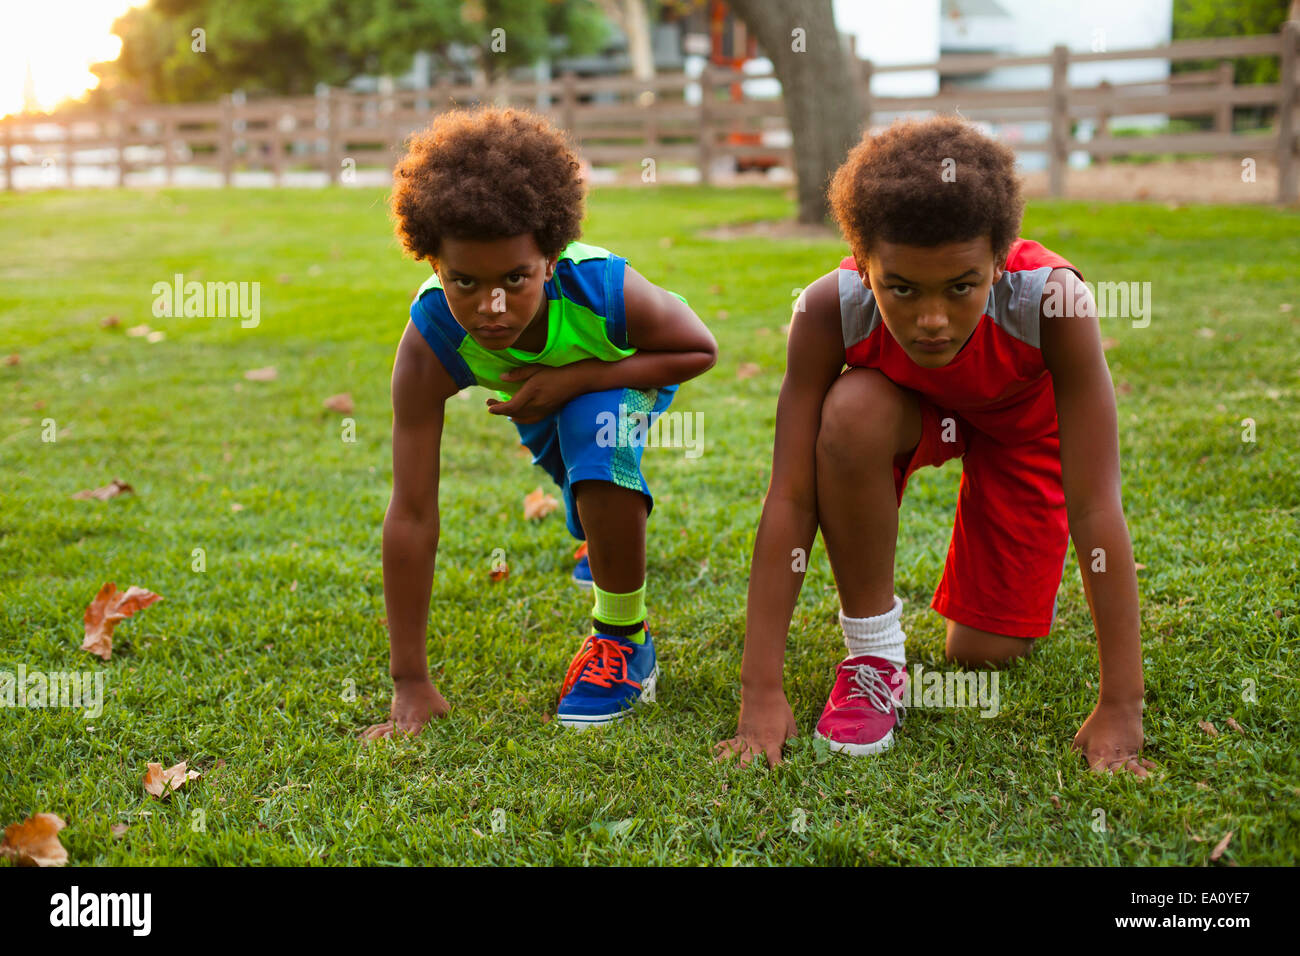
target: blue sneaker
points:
(606, 678)
(582, 570)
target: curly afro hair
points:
(487, 174)
(925, 183)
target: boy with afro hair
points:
(570, 338)
(956, 345)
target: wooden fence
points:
(675, 118)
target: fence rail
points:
(693, 120)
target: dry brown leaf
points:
(1139, 567)
(1209, 728)
(160, 782)
(1056, 801)
(341, 403)
(1235, 726)
(1108, 343)
(155, 336)
(35, 841)
(138, 331)
(538, 504)
(12, 359)
(117, 829)
(1220, 846)
(747, 370)
(117, 487)
(109, 607)
(109, 322)
(261, 374)
(500, 572)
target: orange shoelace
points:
(601, 661)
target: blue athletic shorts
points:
(590, 438)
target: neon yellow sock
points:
(621, 610)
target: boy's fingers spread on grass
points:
(733, 747)
(724, 749)
(377, 731)
(1139, 767)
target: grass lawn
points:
(261, 670)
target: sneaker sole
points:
(648, 687)
(585, 585)
(859, 750)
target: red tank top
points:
(997, 382)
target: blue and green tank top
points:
(585, 320)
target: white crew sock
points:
(879, 636)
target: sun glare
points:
(57, 40)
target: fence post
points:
(1060, 120)
(569, 103)
(647, 101)
(1286, 159)
(1223, 115)
(278, 134)
(501, 94)
(226, 123)
(706, 125)
(1103, 119)
(334, 112)
(169, 161)
(68, 152)
(121, 138)
(8, 127)
(442, 95)
(868, 105)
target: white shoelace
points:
(871, 685)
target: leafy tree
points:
(288, 46)
(1198, 19)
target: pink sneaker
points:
(864, 707)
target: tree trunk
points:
(819, 87)
(631, 17)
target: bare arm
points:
(788, 525)
(1090, 473)
(420, 388)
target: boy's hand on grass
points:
(1111, 739)
(415, 703)
(545, 391)
(765, 725)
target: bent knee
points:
(970, 647)
(864, 411)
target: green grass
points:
(248, 677)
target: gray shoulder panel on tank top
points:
(858, 313)
(1015, 303)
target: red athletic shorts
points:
(1011, 533)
